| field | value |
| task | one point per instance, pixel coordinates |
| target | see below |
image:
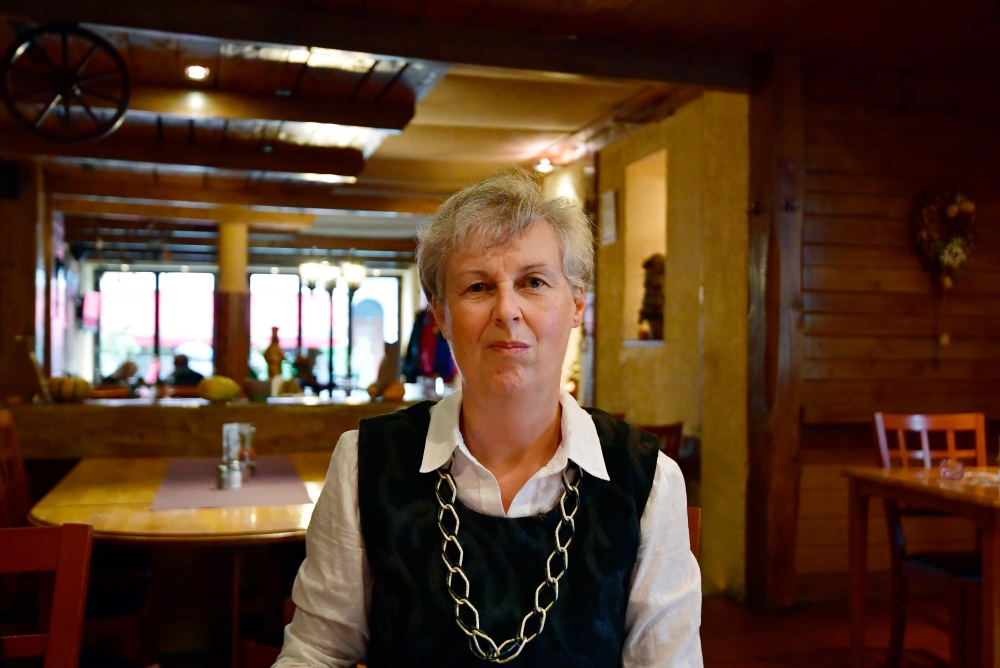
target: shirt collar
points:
(579, 436)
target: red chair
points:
(670, 436)
(119, 604)
(694, 530)
(65, 550)
(959, 572)
(16, 501)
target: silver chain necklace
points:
(510, 648)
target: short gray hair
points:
(491, 213)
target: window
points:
(187, 319)
(376, 323)
(273, 303)
(128, 321)
(130, 328)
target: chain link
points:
(546, 594)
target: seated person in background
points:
(122, 375)
(183, 374)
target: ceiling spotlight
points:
(544, 166)
(185, 269)
(196, 72)
(125, 267)
(376, 272)
(275, 270)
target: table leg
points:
(991, 594)
(858, 546)
(235, 612)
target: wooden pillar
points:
(232, 303)
(22, 277)
(777, 155)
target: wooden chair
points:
(670, 437)
(119, 604)
(17, 500)
(694, 530)
(958, 572)
(65, 550)
(924, 424)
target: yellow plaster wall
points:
(724, 340)
(698, 374)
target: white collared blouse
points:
(332, 592)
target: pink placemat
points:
(190, 483)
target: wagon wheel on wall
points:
(65, 83)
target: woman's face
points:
(508, 312)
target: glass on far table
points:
(952, 469)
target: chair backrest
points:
(694, 530)
(65, 550)
(924, 424)
(670, 437)
(16, 500)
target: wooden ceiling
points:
(270, 125)
(294, 139)
(546, 78)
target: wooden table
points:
(114, 494)
(924, 489)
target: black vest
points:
(412, 618)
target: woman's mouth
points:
(509, 347)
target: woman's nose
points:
(507, 309)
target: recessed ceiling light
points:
(125, 267)
(185, 269)
(196, 72)
(376, 272)
(274, 270)
(544, 166)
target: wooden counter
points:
(173, 428)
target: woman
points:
(504, 523)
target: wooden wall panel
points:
(872, 315)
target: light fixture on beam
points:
(544, 166)
(329, 273)
(354, 273)
(197, 72)
(311, 273)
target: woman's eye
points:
(535, 283)
(477, 287)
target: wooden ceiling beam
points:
(223, 213)
(90, 230)
(74, 222)
(306, 196)
(422, 41)
(208, 103)
(121, 146)
(339, 243)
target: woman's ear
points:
(580, 305)
(441, 318)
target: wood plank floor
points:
(812, 636)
